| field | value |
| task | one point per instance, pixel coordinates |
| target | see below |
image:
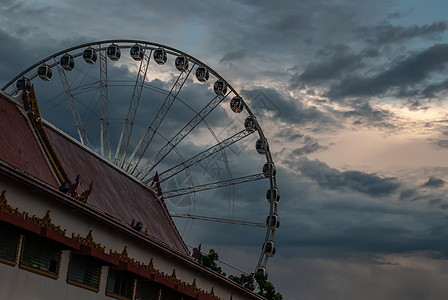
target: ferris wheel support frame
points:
(105, 135)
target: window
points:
(171, 295)
(147, 290)
(9, 245)
(40, 256)
(121, 284)
(84, 271)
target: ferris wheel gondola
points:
(67, 62)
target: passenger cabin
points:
(89, 55)
(181, 63)
(113, 52)
(44, 72)
(160, 56)
(220, 88)
(137, 52)
(202, 74)
(67, 62)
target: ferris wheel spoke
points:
(146, 169)
(72, 103)
(148, 136)
(85, 88)
(104, 100)
(215, 219)
(203, 155)
(130, 117)
(212, 185)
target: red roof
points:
(114, 192)
(18, 144)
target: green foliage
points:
(209, 261)
(247, 281)
(267, 289)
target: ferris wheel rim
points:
(196, 62)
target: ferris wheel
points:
(160, 113)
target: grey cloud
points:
(434, 182)
(442, 143)
(433, 89)
(412, 70)
(416, 105)
(408, 193)
(341, 62)
(234, 55)
(367, 115)
(311, 146)
(283, 108)
(386, 34)
(308, 149)
(330, 178)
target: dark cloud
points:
(434, 182)
(330, 178)
(404, 73)
(408, 193)
(443, 144)
(234, 56)
(431, 90)
(416, 105)
(387, 33)
(277, 106)
(365, 114)
(341, 62)
(311, 146)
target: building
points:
(73, 226)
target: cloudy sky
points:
(352, 96)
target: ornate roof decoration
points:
(44, 222)
(4, 206)
(171, 278)
(84, 195)
(36, 121)
(88, 241)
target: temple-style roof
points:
(114, 192)
(18, 143)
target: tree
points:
(247, 281)
(209, 261)
(267, 289)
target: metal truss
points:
(212, 185)
(135, 99)
(203, 155)
(72, 103)
(214, 219)
(146, 169)
(144, 142)
(104, 100)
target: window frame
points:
(35, 270)
(6, 261)
(79, 284)
(143, 282)
(118, 296)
